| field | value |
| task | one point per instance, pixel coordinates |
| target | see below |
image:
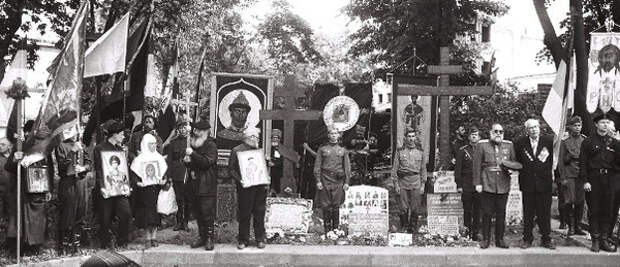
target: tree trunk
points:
(13, 21)
(581, 60)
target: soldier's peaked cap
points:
(573, 120)
(599, 117)
(240, 102)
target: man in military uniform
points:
(233, 135)
(201, 159)
(600, 154)
(409, 175)
(571, 188)
(464, 180)
(332, 171)
(492, 159)
(177, 171)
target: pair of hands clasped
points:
(188, 152)
(319, 186)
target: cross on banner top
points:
(444, 91)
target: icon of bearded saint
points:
(608, 59)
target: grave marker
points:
(365, 211)
(288, 215)
(445, 213)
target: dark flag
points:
(61, 105)
(167, 120)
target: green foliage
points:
(390, 30)
(508, 106)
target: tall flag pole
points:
(199, 81)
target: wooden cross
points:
(289, 117)
(444, 90)
(187, 103)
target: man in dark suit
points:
(535, 153)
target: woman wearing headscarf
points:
(149, 167)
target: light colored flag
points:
(61, 106)
(154, 82)
(554, 111)
(108, 54)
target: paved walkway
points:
(290, 255)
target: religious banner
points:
(365, 211)
(341, 113)
(253, 168)
(412, 111)
(604, 72)
(235, 102)
(115, 174)
(288, 215)
(445, 213)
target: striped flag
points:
(555, 109)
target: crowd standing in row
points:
(588, 169)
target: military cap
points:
(599, 117)
(573, 120)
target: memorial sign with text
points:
(288, 215)
(445, 213)
(365, 211)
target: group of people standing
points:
(588, 171)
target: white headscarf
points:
(146, 158)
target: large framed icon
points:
(115, 173)
(37, 180)
(253, 168)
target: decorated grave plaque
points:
(288, 215)
(400, 240)
(514, 206)
(444, 182)
(226, 202)
(365, 210)
(445, 213)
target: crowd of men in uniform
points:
(588, 172)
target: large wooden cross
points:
(289, 116)
(444, 91)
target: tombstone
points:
(226, 203)
(288, 215)
(365, 211)
(444, 182)
(445, 213)
(400, 240)
(514, 206)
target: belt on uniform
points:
(602, 171)
(493, 169)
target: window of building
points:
(486, 33)
(380, 98)
(389, 98)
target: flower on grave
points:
(18, 90)
(332, 235)
(302, 239)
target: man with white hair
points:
(251, 200)
(535, 153)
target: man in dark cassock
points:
(71, 191)
(201, 161)
(571, 188)
(598, 171)
(36, 192)
(109, 206)
(183, 186)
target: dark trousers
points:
(204, 211)
(184, 196)
(615, 203)
(471, 210)
(493, 204)
(537, 205)
(252, 204)
(114, 206)
(600, 205)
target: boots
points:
(335, 219)
(413, 225)
(500, 225)
(578, 213)
(570, 222)
(486, 232)
(327, 220)
(404, 223)
(209, 242)
(563, 219)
